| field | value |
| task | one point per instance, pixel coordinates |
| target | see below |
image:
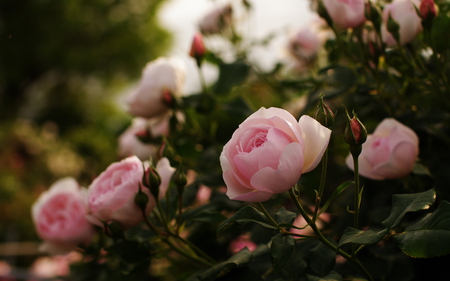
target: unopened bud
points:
(355, 133)
(198, 49)
(113, 229)
(152, 180)
(428, 11)
(141, 199)
(324, 115)
(179, 179)
(166, 150)
(393, 27)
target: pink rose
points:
(111, 195)
(129, 144)
(269, 152)
(59, 217)
(390, 152)
(158, 77)
(405, 15)
(216, 20)
(241, 242)
(305, 44)
(346, 13)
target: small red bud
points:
(355, 133)
(198, 49)
(427, 9)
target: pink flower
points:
(111, 195)
(306, 229)
(268, 153)
(405, 15)
(241, 242)
(305, 44)
(390, 152)
(129, 144)
(158, 77)
(346, 13)
(198, 49)
(59, 217)
(216, 20)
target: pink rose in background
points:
(241, 242)
(111, 195)
(301, 222)
(216, 20)
(159, 77)
(405, 15)
(59, 217)
(129, 144)
(346, 13)
(268, 153)
(305, 44)
(390, 152)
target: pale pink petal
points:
(316, 138)
(165, 171)
(400, 163)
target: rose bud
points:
(428, 9)
(158, 77)
(269, 152)
(346, 14)
(390, 152)
(355, 132)
(404, 14)
(59, 217)
(198, 49)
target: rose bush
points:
(111, 194)
(160, 77)
(268, 153)
(404, 13)
(390, 152)
(345, 13)
(59, 217)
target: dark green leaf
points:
(209, 217)
(429, 237)
(231, 74)
(321, 260)
(239, 259)
(361, 237)
(404, 203)
(281, 249)
(284, 216)
(335, 194)
(420, 169)
(245, 215)
(332, 276)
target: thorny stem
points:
(325, 240)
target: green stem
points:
(202, 78)
(196, 249)
(263, 209)
(325, 240)
(356, 195)
(321, 184)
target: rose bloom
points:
(129, 143)
(268, 153)
(346, 13)
(216, 20)
(59, 217)
(160, 77)
(305, 44)
(111, 195)
(390, 152)
(405, 15)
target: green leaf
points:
(245, 215)
(335, 194)
(240, 259)
(321, 260)
(361, 237)
(209, 217)
(284, 216)
(429, 237)
(281, 249)
(404, 203)
(231, 74)
(421, 170)
(332, 276)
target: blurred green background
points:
(63, 66)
